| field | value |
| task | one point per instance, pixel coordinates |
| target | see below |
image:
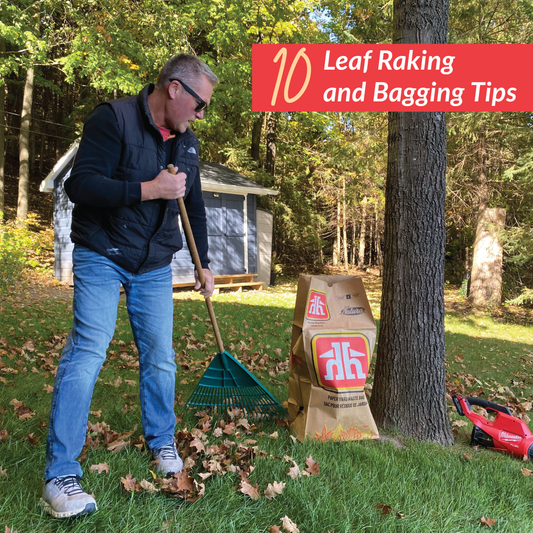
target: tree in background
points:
(21, 24)
(24, 147)
(409, 391)
(481, 147)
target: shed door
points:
(234, 234)
(225, 229)
(216, 229)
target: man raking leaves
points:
(226, 383)
(125, 229)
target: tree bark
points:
(362, 236)
(483, 190)
(352, 250)
(409, 392)
(337, 242)
(486, 282)
(487, 256)
(270, 165)
(24, 148)
(377, 243)
(256, 136)
(370, 240)
(344, 232)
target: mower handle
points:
(481, 403)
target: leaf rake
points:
(226, 383)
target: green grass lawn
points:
(424, 487)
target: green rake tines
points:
(226, 383)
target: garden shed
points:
(240, 234)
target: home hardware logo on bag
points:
(341, 360)
(317, 308)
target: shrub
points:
(24, 247)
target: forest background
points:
(58, 60)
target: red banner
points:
(400, 77)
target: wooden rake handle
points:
(197, 263)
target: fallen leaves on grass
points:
(526, 472)
(3, 472)
(28, 346)
(32, 439)
(148, 487)
(469, 385)
(274, 489)
(129, 484)
(487, 521)
(249, 489)
(459, 423)
(100, 468)
(289, 525)
(387, 509)
(101, 434)
(165, 526)
(312, 466)
(235, 413)
(183, 486)
(21, 410)
(117, 446)
(294, 471)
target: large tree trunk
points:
(409, 392)
(24, 148)
(2, 133)
(486, 282)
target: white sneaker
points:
(63, 497)
(168, 460)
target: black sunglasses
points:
(201, 103)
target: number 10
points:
(283, 55)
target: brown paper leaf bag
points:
(333, 339)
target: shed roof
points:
(219, 178)
(214, 177)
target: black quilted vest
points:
(143, 237)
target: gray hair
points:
(185, 67)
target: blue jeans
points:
(97, 282)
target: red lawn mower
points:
(505, 433)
